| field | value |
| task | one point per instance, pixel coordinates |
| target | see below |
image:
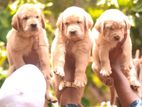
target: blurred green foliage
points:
(2, 62)
(95, 91)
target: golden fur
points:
(114, 37)
(112, 48)
(27, 41)
(70, 54)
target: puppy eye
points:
(78, 22)
(111, 28)
(121, 27)
(37, 17)
(25, 18)
(66, 23)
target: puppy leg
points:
(11, 66)
(43, 53)
(58, 56)
(130, 73)
(113, 95)
(132, 77)
(42, 47)
(81, 64)
(57, 82)
(15, 61)
(104, 60)
(127, 64)
(44, 60)
(59, 63)
(10, 69)
(95, 64)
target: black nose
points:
(73, 32)
(116, 37)
(33, 25)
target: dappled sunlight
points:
(96, 94)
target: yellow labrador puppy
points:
(27, 41)
(70, 54)
(114, 37)
(112, 48)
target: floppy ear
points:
(42, 21)
(88, 21)
(59, 23)
(16, 22)
(127, 25)
(127, 22)
(99, 25)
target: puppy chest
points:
(32, 58)
(21, 45)
(75, 48)
(70, 59)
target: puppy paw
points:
(50, 98)
(61, 85)
(105, 73)
(80, 82)
(59, 71)
(126, 69)
(95, 67)
(109, 81)
(134, 83)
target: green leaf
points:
(137, 6)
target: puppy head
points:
(114, 31)
(28, 18)
(113, 25)
(74, 22)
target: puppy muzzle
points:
(34, 26)
(72, 32)
(116, 37)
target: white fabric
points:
(26, 87)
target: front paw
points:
(50, 98)
(134, 83)
(80, 81)
(105, 73)
(126, 69)
(95, 67)
(59, 71)
(109, 81)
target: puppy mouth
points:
(72, 32)
(116, 38)
(34, 27)
(73, 35)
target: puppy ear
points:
(88, 21)
(127, 22)
(42, 21)
(127, 25)
(59, 23)
(99, 25)
(16, 22)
